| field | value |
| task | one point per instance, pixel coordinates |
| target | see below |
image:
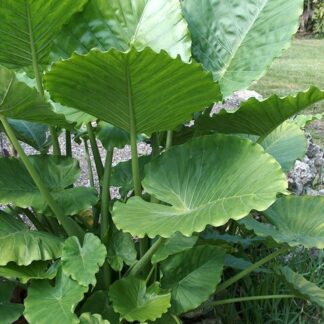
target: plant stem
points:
(89, 164)
(95, 151)
(105, 198)
(250, 298)
(141, 264)
(251, 268)
(55, 142)
(68, 143)
(68, 224)
(168, 142)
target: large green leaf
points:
(295, 220)
(58, 173)
(192, 276)
(9, 312)
(118, 24)
(260, 117)
(21, 245)
(20, 101)
(175, 244)
(53, 304)
(162, 92)
(87, 318)
(36, 270)
(28, 28)
(120, 249)
(237, 41)
(286, 144)
(83, 262)
(303, 287)
(33, 134)
(214, 178)
(135, 302)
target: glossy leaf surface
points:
(21, 245)
(19, 101)
(192, 276)
(135, 302)
(261, 117)
(83, 262)
(237, 41)
(215, 178)
(103, 24)
(286, 144)
(112, 84)
(53, 304)
(295, 221)
(36, 270)
(29, 27)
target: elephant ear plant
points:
(119, 71)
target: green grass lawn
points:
(301, 66)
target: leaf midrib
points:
(239, 45)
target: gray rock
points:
(234, 101)
(306, 173)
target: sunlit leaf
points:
(109, 85)
(237, 41)
(21, 245)
(118, 24)
(135, 302)
(82, 262)
(53, 304)
(213, 179)
(192, 276)
(295, 221)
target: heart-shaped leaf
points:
(295, 221)
(36, 270)
(260, 117)
(20, 101)
(29, 27)
(9, 312)
(58, 173)
(286, 144)
(135, 302)
(303, 287)
(87, 318)
(227, 34)
(114, 85)
(119, 23)
(192, 276)
(21, 245)
(215, 178)
(83, 262)
(53, 304)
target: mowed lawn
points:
(299, 67)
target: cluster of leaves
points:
(119, 70)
